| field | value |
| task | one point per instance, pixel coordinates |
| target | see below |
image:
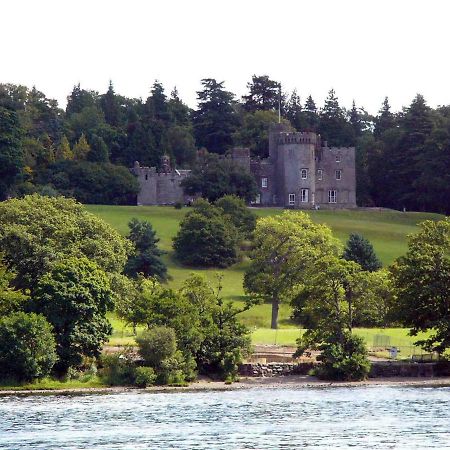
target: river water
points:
(380, 417)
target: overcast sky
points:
(365, 50)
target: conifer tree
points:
(63, 151)
(81, 148)
(361, 251)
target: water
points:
(366, 417)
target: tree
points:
(11, 299)
(215, 120)
(254, 131)
(294, 111)
(334, 127)
(422, 282)
(385, 119)
(74, 297)
(98, 151)
(147, 257)
(360, 250)
(11, 154)
(206, 241)
(286, 248)
(310, 115)
(81, 149)
(332, 302)
(240, 215)
(36, 232)
(264, 94)
(27, 346)
(89, 182)
(63, 150)
(110, 106)
(213, 177)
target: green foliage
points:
(361, 251)
(344, 360)
(27, 346)
(286, 249)
(36, 232)
(11, 300)
(119, 369)
(74, 297)
(240, 215)
(215, 120)
(145, 376)
(11, 154)
(422, 282)
(147, 257)
(157, 344)
(213, 177)
(264, 94)
(91, 182)
(206, 241)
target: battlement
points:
(297, 137)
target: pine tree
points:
(215, 120)
(110, 106)
(81, 148)
(147, 257)
(311, 118)
(264, 94)
(63, 151)
(361, 251)
(99, 150)
(385, 119)
(293, 111)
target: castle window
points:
(258, 199)
(146, 176)
(264, 182)
(274, 199)
(332, 196)
(304, 174)
(320, 174)
(304, 195)
(338, 174)
(338, 157)
(291, 199)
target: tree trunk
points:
(275, 308)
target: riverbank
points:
(293, 381)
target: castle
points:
(301, 172)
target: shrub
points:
(344, 360)
(157, 344)
(27, 346)
(119, 368)
(144, 376)
(240, 215)
(178, 205)
(206, 241)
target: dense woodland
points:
(84, 151)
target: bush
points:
(27, 346)
(156, 345)
(178, 205)
(144, 376)
(119, 368)
(206, 240)
(240, 215)
(344, 360)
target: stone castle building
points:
(301, 172)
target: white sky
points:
(363, 49)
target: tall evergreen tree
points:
(215, 120)
(11, 152)
(293, 111)
(334, 127)
(311, 117)
(385, 119)
(110, 106)
(264, 94)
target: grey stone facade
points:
(301, 172)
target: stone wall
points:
(379, 369)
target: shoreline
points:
(291, 381)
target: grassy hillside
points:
(386, 230)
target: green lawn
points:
(386, 230)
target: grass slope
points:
(387, 230)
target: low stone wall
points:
(379, 369)
(274, 369)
